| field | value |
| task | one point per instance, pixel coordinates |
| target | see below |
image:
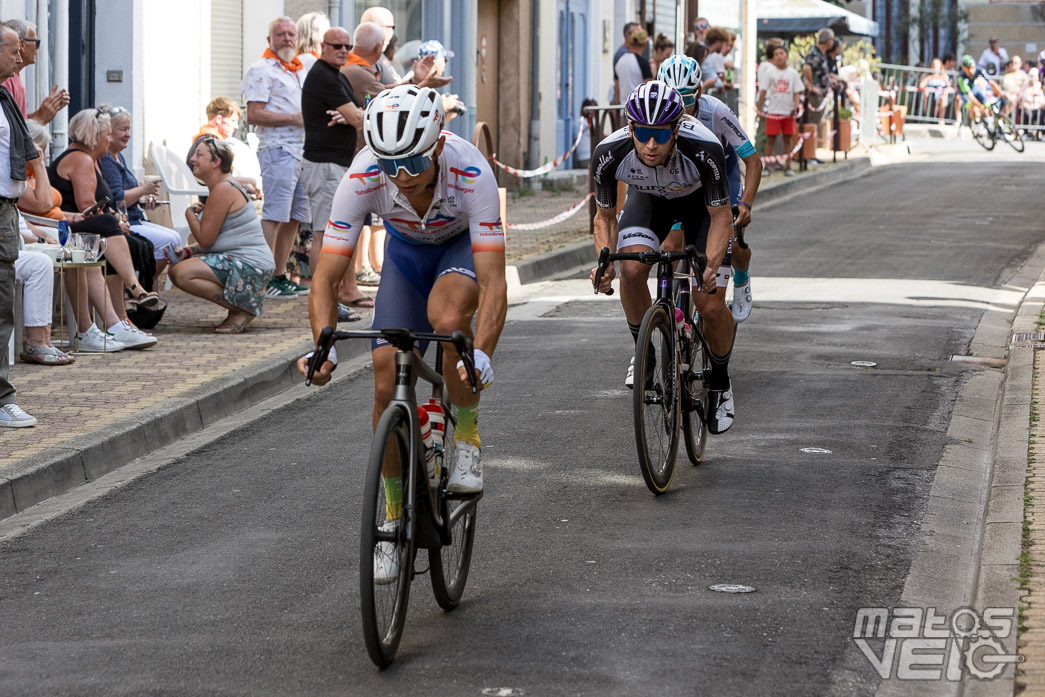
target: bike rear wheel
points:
(450, 563)
(1007, 132)
(384, 600)
(656, 399)
(694, 413)
(983, 132)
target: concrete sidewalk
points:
(107, 410)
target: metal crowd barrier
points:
(908, 87)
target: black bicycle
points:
(406, 506)
(672, 367)
(991, 126)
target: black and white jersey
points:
(697, 162)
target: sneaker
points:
(741, 302)
(279, 288)
(386, 560)
(720, 410)
(131, 337)
(297, 287)
(789, 172)
(466, 477)
(94, 340)
(12, 416)
(368, 277)
(629, 379)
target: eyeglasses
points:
(389, 26)
(338, 47)
(110, 111)
(702, 25)
(689, 100)
(661, 135)
(413, 165)
(34, 42)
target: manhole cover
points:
(816, 451)
(864, 364)
(731, 588)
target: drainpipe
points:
(334, 12)
(532, 153)
(60, 44)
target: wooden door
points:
(487, 67)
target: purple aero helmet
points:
(654, 104)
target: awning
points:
(808, 16)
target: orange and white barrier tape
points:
(552, 221)
(543, 169)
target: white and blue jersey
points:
(721, 121)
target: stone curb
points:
(64, 467)
(543, 266)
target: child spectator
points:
(778, 93)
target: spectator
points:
(613, 97)
(125, 188)
(329, 151)
(663, 47)
(993, 57)
(77, 176)
(698, 52)
(1014, 80)
(223, 119)
(311, 27)
(36, 272)
(816, 75)
(386, 20)
(54, 102)
(631, 70)
(1032, 102)
(714, 66)
(582, 155)
(700, 31)
(231, 263)
(760, 72)
(778, 100)
(440, 54)
(16, 152)
(936, 86)
(37, 201)
(272, 90)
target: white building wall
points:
(256, 17)
(549, 42)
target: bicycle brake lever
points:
(603, 263)
(464, 349)
(320, 354)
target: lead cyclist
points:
(675, 171)
(444, 264)
(684, 74)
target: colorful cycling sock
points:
(719, 370)
(740, 278)
(634, 331)
(467, 428)
(393, 497)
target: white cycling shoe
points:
(466, 477)
(742, 302)
(386, 558)
(720, 410)
(629, 379)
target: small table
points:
(61, 266)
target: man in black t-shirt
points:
(330, 146)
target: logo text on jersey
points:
(340, 225)
(372, 175)
(468, 175)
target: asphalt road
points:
(234, 570)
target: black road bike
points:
(991, 126)
(404, 509)
(672, 367)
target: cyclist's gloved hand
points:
(322, 376)
(482, 366)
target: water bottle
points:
(429, 444)
(437, 418)
(685, 331)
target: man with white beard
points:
(272, 91)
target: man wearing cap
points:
(993, 58)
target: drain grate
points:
(1034, 340)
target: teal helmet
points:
(968, 62)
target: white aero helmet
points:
(681, 72)
(403, 121)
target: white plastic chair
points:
(181, 186)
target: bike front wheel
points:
(656, 399)
(695, 411)
(386, 555)
(1007, 132)
(450, 563)
(983, 133)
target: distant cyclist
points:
(675, 171)
(971, 81)
(684, 74)
(445, 255)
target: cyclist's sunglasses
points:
(661, 135)
(413, 165)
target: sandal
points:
(45, 355)
(228, 327)
(144, 298)
(364, 301)
(347, 314)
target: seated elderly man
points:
(35, 270)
